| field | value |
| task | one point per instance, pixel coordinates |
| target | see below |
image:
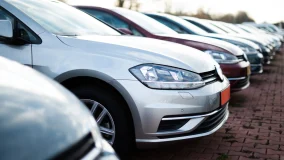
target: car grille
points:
(241, 83)
(78, 150)
(253, 59)
(210, 77)
(207, 125)
(211, 122)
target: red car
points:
(232, 60)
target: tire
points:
(124, 137)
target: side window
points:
(171, 25)
(111, 20)
(20, 30)
(202, 27)
(24, 33)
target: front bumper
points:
(239, 83)
(256, 68)
(151, 107)
(256, 61)
(238, 75)
(198, 126)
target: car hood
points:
(210, 41)
(140, 50)
(232, 38)
(38, 117)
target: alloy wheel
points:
(104, 119)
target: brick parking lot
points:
(254, 130)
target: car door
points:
(16, 50)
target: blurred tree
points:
(240, 17)
(120, 3)
(230, 18)
(201, 13)
(134, 5)
(130, 4)
(168, 6)
(243, 17)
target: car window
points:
(147, 23)
(213, 27)
(201, 26)
(61, 19)
(24, 33)
(221, 27)
(171, 25)
(20, 30)
(111, 20)
(191, 27)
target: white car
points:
(138, 89)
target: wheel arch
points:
(76, 77)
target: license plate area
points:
(248, 71)
(225, 95)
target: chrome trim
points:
(188, 127)
(185, 137)
(210, 80)
(235, 79)
(191, 117)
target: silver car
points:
(138, 89)
(39, 119)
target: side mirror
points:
(6, 30)
(125, 31)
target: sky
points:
(270, 11)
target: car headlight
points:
(164, 77)
(222, 57)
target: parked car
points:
(275, 39)
(209, 26)
(139, 89)
(42, 120)
(232, 60)
(268, 27)
(270, 41)
(267, 50)
(178, 24)
(263, 31)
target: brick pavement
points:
(254, 130)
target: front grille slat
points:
(212, 122)
(209, 77)
(206, 126)
(242, 58)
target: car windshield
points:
(186, 24)
(61, 19)
(247, 29)
(145, 22)
(235, 28)
(219, 25)
(212, 27)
